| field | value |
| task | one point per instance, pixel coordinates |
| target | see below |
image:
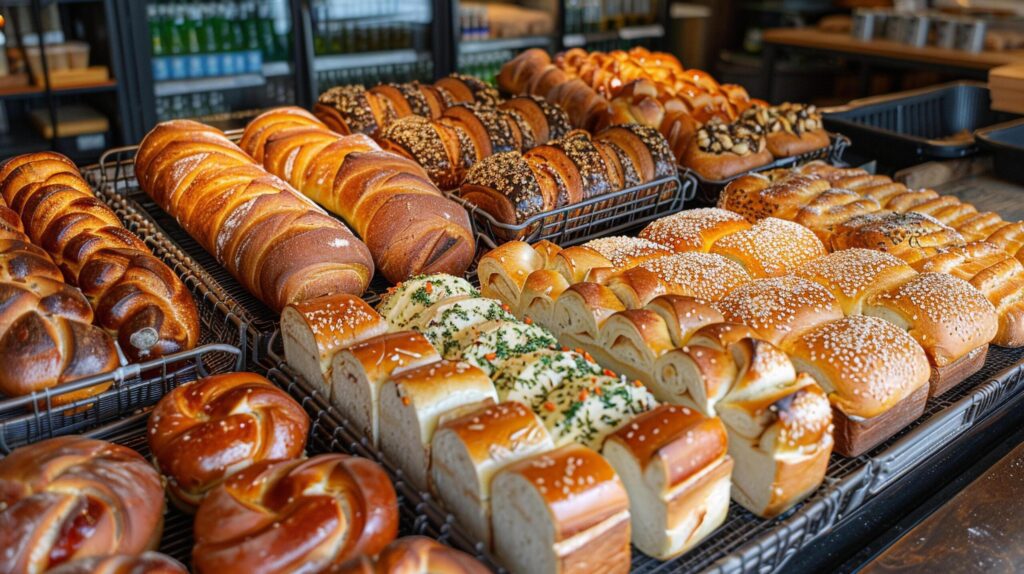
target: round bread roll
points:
(295, 515)
(694, 229)
(145, 563)
(854, 275)
(203, 431)
(780, 308)
(626, 252)
(71, 497)
(772, 247)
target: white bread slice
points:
(559, 512)
(674, 465)
(494, 343)
(403, 306)
(468, 450)
(444, 323)
(414, 402)
(313, 331)
(588, 410)
(359, 371)
(529, 378)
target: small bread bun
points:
(780, 308)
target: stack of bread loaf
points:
(355, 109)
(715, 129)
(488, 413)
(871, 330)
(513, 187)
(408, 225)
(279, 244)
(849, 208)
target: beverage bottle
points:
(208, 43)
(161, 65)
(268, 40)
(237, 39)
(192, 24)
(175, 26)
(225, 43)
(253, 53)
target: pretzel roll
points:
(68, 498)
(203, 431)
(947, 316)
(145, 563)
(405, 305)
(562, 511)
(467, 451)
(854, 275)
(414, 555)
(684, 315)
(675, 467)
(874, 373)
(574, 263)
(581, 310)
(542, 289)
(503, 271)
(831, 208)
(358, 371)
(338, 506)
(772, 247)
(625, 252)
(693, 229)
(412, 404)
(313, 331)
(909, 236)
(780, 308)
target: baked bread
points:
(720, 151)
(503, 270)
(352, 109)
(358, 371)
(203, 431)
(771, 247)
(834, 206)
(875, 375)
(145, 563)
(675, 467)
(339, 506)
(574, 263)
(410, 228)
(407, 304)
(275, 242)
(791, 129)
(910, 236)
(580, 312)
(561, 511)
(779, 427)
(467, 451)
(314, 331)
(625, 252)
(780, 308)
(531, 377)
(68, 498)
(854, 275)
(693, 229)
(756, 196)
(414, 555)
(414, 402)
(586, 411)
(706, 276)
(537, 301)
(135, 296)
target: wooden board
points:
(73, 78)
(72, 120)
(812, 38)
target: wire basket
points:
(38, 416)
(708, 190)
(596, 217)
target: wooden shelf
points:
(33, 90)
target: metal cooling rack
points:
(34, 417)
(708, 190)
(596, 217)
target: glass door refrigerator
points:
(490, 33)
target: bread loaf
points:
(409, 227)
(338, 506)
(791, 129)
(69, 498)
(278, 245)
(147, 563)
(414, 555)
(203, 431)
(135, 296)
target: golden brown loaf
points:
(694, 229)
(71, 497)
(46, 335)
(414, 555)
(781, 308)
(134, 295)
(145, 563)
(277, 243)
(278, 516)
(203, 431)
(791, 129)
(408, 225)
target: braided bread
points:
(46, 335)
(201, 432)
(279, 516)
(409, 227)
(145, 563)
(134, 294)
(277, 243)
(71, 497)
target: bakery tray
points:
(596, 217)
(34, 417)
(746, 543)
(917, 125)
(708, 190)
(1006, 144)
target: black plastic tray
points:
(596, 217)
(909, 127)
(708, 190)
(1006, 143)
